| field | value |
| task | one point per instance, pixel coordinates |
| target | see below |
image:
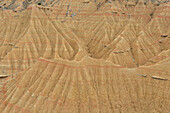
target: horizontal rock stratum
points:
(84, 56)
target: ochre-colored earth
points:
(84, 56)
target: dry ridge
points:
(84, 56)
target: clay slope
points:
(111, 34)
(89, 86)
(95, 56)
(107, 33)
(44, 37)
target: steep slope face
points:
(45, 37)
(97, 57)
(125, 37)
(101, 36)
(90, 86)
(42, 36)
(107, 32)
(11, 30)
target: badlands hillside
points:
(84, 56)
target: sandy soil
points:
(84, 56)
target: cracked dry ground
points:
(84, 57)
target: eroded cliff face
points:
(97, 56)
(90, 86)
